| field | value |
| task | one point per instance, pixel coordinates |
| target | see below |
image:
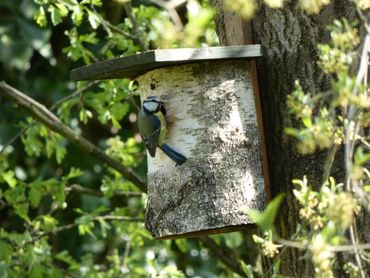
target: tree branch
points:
(74, 94)
(41, 113)
(54, 106)
(75, 224)
(88, 191)
(135, 27)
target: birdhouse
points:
(212, 120)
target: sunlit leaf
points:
(265, 220)
(93, 19)
(9, 178)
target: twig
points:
(350, 141)
(118, 218)
(127, 252)
(135, 27)
(75, 224)
(74, 94)
(320, 96)
(171, 6)
(118, 30)
(363, 18)
(103, 22)
(364, 142)
(88, 191)
(15, 137)
(41, 113)
(224, 257)
(340, 248)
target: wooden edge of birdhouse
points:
(137, 64)
(207, 232)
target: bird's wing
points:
(150, 128)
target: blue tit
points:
(153, 129)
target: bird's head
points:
(153, 104)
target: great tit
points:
(153, 129)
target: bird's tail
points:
(174, 155)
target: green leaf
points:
(35, 194)
(182, 244)
(17, 198)
(97, 3)
(73, 173)
(49, 148)
(93, 19)
(65, 257)
(247, 268)
(233, 240)
(62, 9)
(60, 153)
(307, 122)
(55, 14)
(49, 223)
(104, 225)
(361, 157)
(119, 110)
(37, 271)
(276, 267)
(40, 17)
(85, 224)
(85, 115)
(31, 141)
(6, 251)
(89, 38)
(59, 195)
(9, 178)
(3, 269)
(292, 131)
(77, 15)
(73, 52)
(265, 220)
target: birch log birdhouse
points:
(212, 120)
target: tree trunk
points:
(289, 40)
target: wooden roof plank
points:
(133, 65)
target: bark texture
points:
(212, 121)
(289, 40)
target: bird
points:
(153, 129)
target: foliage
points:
(65, 214)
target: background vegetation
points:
(64, 213)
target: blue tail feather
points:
(174, 155)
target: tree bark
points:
(289, 40)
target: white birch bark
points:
(214, 124)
